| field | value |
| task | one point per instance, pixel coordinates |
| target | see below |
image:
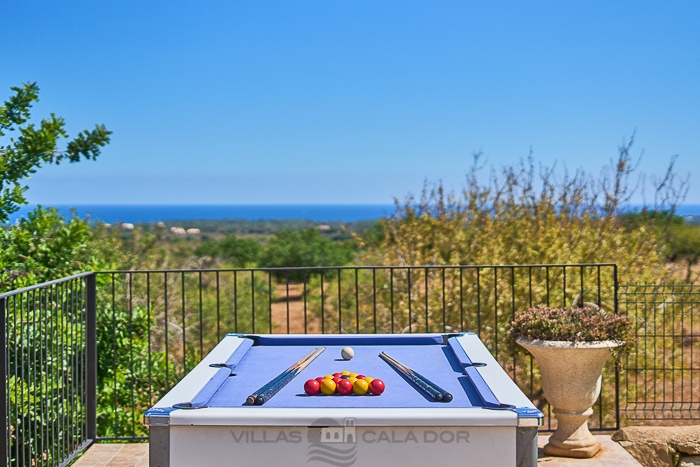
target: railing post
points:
(617, 362)
(91, 352)
(3, 385)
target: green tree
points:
(42, 246)
(35, 145)
(304, 248)
(683, 244)
(239, 251)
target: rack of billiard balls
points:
(344, 383)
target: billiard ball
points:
(337, 375)
(320, 379)
(353, 375)
(347, 353)
(369, 380)
(344, 387)
(376, 387)
(336, 380)
(352, 379)
(344, 376)
(360, 376)
(345, 373)
(311, 387)
(328, 387)
(328, 376)
(360, 387)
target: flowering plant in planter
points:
(587, 324)
(571, 347)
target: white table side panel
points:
(428, 446)
(261, 416)
(193, 382)
(502, 386)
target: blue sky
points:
(349, 102)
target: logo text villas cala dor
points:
(332, 442)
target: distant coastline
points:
(312, 212)
(156, 213)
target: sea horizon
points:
(147, 213)
(140, 213)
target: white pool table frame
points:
(497, 437)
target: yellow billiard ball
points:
(328, 387)
(369, 380)
(328, 377)
(360, 387)
(352, 375)
(352, 380)
(345, 372)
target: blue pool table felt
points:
(447, 365)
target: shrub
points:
(41, 247)
(572, 325)
(527, 214)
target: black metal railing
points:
(47, 351)
(85, 356)
(661, 378)
(154, 326)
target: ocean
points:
(314, 212)
(156, 213)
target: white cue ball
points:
(347, 353)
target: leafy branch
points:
(35, 145)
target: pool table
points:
(204, 419)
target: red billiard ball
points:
(376, 387)
(320, 379)
(336, 380)
(344, 387)
(360, 376)
(311, 387)
(337, 375)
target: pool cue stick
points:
(274, 389)
(446, 396)
(432, 389)
(425, 387)
(250, 400)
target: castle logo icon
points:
(338, 434)
(333, 443)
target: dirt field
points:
(288, 313)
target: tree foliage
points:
(42, 247)
(234, 250)
(523, 215)
(304, 248)
(35, 145)
(682, 244)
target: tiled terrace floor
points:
(136, 455)
(115, 455)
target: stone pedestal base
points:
(572, 438)
(581, 453)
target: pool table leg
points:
(159, 446)
(526, 446)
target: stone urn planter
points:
(571, 381)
